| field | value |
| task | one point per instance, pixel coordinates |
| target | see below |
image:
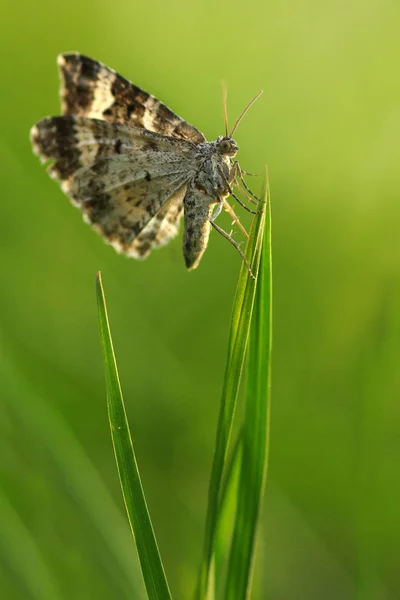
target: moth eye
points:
(225, 146)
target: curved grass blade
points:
(132, 490)
(255, 434)
(239, 332)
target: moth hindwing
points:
(132, 165)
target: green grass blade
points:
(226, 516)
(239, 332)
(132, 490)
(255, 435)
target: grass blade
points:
(255, 435)
(132, 490)
(226, 516)
(240, 325)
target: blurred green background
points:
(328, 126)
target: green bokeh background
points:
(328, 126)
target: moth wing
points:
(90, 89)
(119, 176)
(162, 228)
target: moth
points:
(133, 166)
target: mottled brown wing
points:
(90, 89)
(128, 182)
(162, 228)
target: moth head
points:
(227, 146)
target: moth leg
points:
(239, 172)
(246, 187)
(242, 204)
(230, 190)
(235, 245)
(245, 194)
(250, 174)
(235, 218)
(217, 211)
(230, 211)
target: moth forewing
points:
(91, 89)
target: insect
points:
(133, 166)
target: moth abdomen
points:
(197, 213)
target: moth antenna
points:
(250, 104)
(224, 104)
